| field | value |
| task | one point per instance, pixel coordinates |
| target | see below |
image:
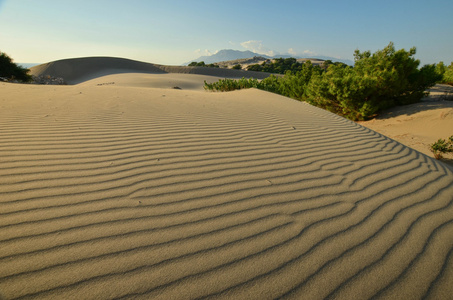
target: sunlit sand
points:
(123, 186)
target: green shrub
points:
(397, 76)
(271, 84)
(237, 67)
(294, 85)
(376, 82)
(441, 147)
(341, 91)
(11, 71)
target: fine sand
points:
(122, 187)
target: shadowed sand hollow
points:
(132, 191)
(421, 124)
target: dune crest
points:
(110, 191)
(77, 70)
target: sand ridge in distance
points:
(125, 191)
(77, 70)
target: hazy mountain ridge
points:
(229, 55)
(226, 55)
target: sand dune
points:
(77, 70)
(130, 192)
(193, 82)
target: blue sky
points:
(173, 32)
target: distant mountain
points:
(225, 55)
(229, 54)
(28, 65)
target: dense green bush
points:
(377, 81)
(294, 85)
(237, 67)
(341, 91)
(11, 71)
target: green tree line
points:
(202, 64)
(283, 65)
(378, 81)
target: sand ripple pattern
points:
(184, 195)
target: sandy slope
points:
(193, 82)
(133, 192)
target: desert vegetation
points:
(202, 64)
(291, 85)
(378, 81)
(445, 72)
(11, 71)
(227, 85)
(283, 65)
(442, 147)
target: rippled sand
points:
(128, 191)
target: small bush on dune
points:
(11, 71)
(442, 147)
